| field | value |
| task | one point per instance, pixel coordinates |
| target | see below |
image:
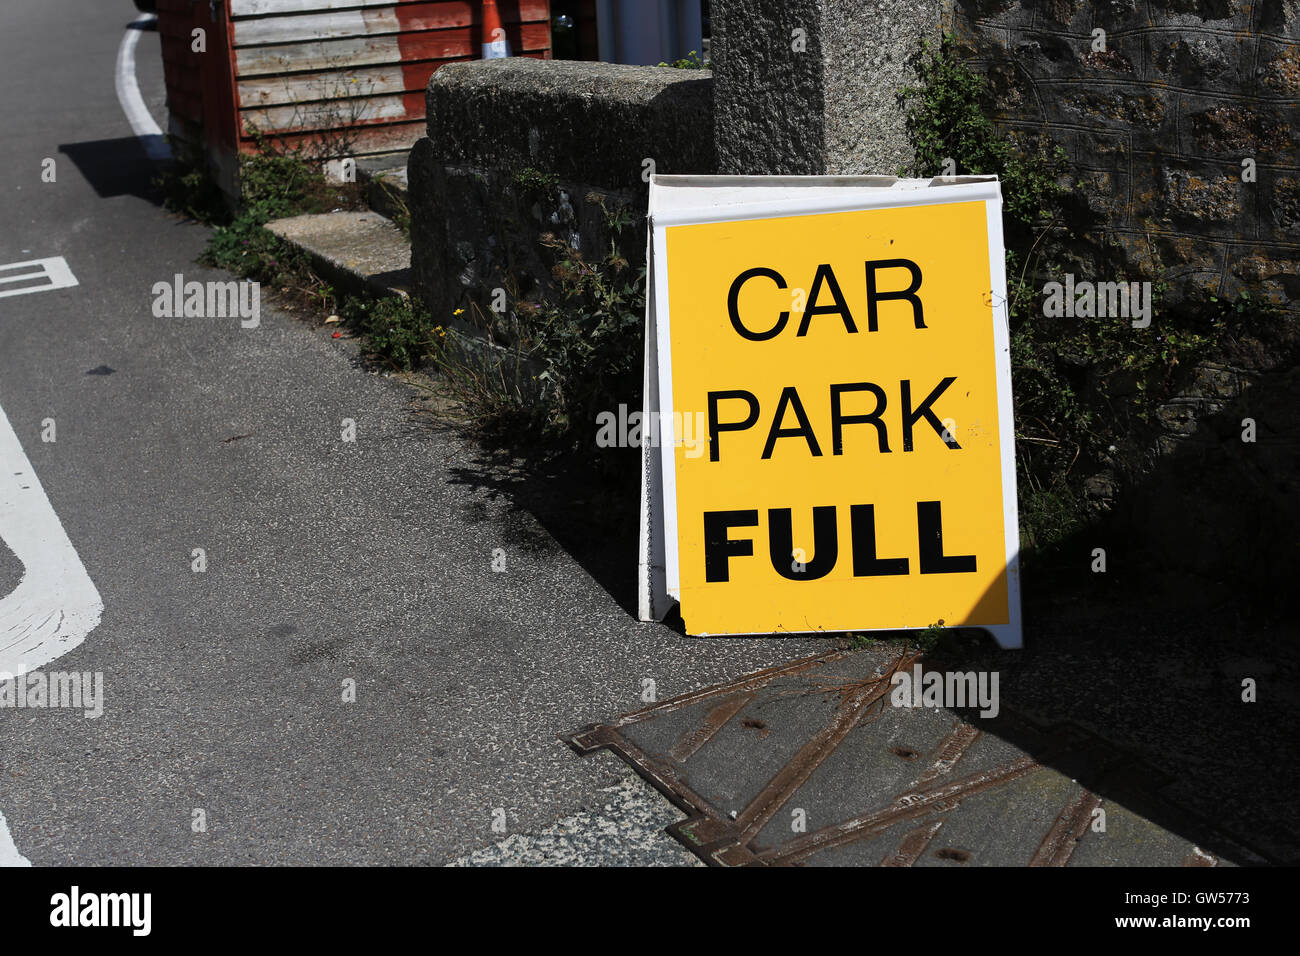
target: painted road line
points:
(142, 122)
(55, 269)
(9, 855)
(55, 604)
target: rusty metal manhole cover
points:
(810, 763)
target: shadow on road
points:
(593, 519)
(115, 167)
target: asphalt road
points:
(326, 561)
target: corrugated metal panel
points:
(315, 72)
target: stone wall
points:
(519, 149)
(1158, 124)
(1182, 134)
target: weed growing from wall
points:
(570, 353)
(691, 61)
(588, 335)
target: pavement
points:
(317, 650)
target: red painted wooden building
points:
(329, 77)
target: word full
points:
(720, 547)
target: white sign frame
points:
(690, 200)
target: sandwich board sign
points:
(828, 402)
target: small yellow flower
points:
(458, 312)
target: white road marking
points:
(55, 604)
(9, 855)
(55, 269)
(128, 93)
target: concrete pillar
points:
(811, 86)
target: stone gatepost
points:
(520, 149)
(811, 86)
